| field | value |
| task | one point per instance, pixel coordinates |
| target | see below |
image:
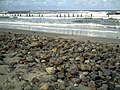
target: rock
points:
(19, 55)
(92, 85)
(81, 87)
(71, 59)
(62, 87)
(64, 58)
(74, 71)
(108, 77)
(1, 62)
(85, 73)
(51, 70)
(71, 88)
(76, 85)
(82, 76)
(34, 80)
(29, 59)
(94, 76)
(28, 87)
(94, 51)
(75, 80)
(45, 87)
(35, 44)
(80, 49)
(12, 54)
(85, 67)
(13, 60)
(54, 49)
(77, 58)
(117, 87)
(105, 71)
(60, 81)
(61, 84)
(43, 61)
(60, 75)
(103, 87)
(87, 61)
(2, 57)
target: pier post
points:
(73, 15)
(60, 15)
(68, 15)
(81, 15)
(42, 15)
(91, 15)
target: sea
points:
(92, 23)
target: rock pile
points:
(31, 62)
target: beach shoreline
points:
(75, 37)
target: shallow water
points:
(74, 25)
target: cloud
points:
(58, 4)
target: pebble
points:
(77, 58)
(45, 87)
(85, 67)
(117, 87)
(64, 64)
(103, 87)
(51, 70)
(28, 87)
(43, 61)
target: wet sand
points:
(83, 38)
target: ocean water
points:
(82, 23)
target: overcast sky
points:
(59, 5)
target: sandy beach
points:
(32, 60)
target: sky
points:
(19, 5)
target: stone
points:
(60, 75)
(51, 70)
(43, 61)
(71, 59)
(81, 87)
(54, 49)
(75, 80)
(45, 87)
(34, 44)
(76, 85)
(94, 76)
(64, 58)
(34, 80)
(77, 58)
(85, 73)
(80, 49)
(62, 87)
(103, 87)
(87, 61)
(117, 87)
(28, 87)
(85, 67)
(30, 59)
(60, 81)
(81, 76)
(61, 84)
(1, 62)
(92, 85)
(106, 71)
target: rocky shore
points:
(31, 62)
